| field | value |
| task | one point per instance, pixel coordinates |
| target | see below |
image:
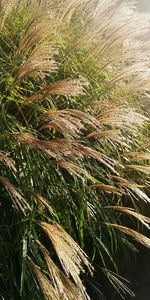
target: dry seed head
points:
(91, 210)
(18, 201)
(54, 272)
(4, 158)
(123, 182)
(70, 123)
(60, 148)
(6, 6)
(45, 285)
(66, 127)
(39, 63)
(56, 148)
(114, 135)
(36, 30)
(108, 188)
(63, 286)
(134, 234)
(24, 137)
(112, 27)
(73, 114)
(144, 146)
(66, 87)
(118, 282)
(42, 201)
(70, 254)
(139, 168)
(73, 168)
(116, 27)
(138, 155)
(144, 220)
(131, 188)
(67, 8)
(104, 159)
(121, 117)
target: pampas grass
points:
(74, 144)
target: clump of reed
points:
(74, 145)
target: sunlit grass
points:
(74, 146)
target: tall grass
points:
(74, 146)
